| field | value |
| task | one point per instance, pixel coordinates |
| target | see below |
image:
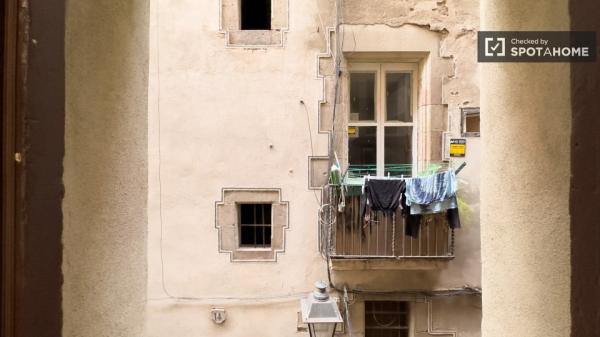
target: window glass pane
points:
(247, 236)
(362, 96)
(398, 97)
(258, 214)
(260, 232)
(362, 145)
(267, 230)
(247, 211)
(267, 214)
(398, 149)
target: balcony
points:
(379, 242)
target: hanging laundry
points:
(432, 194)
(453, 218)
(434, 207)
(412, 222)
(381, 195)
(384, 194)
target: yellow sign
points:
(458, 147)
(352, 131)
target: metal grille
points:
(384, 235)
(255, 225)
(386, 319)
(381, 236)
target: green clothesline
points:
(394, 170)
(352, 179)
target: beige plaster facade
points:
(233, 110)
(534, 277)
(105, 169)
(163, 135)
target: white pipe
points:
(348, 323)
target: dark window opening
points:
(255, 225)
(256, 14)
(386, 319)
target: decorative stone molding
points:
(227, 223)
(235, 37)
(318, 173)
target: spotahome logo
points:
(495, 46)
(536, 46)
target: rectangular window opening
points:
(470, 122)
(386, 318)
(255, 225)
(256, 14)
(381, 102)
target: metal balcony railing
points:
(344, 234)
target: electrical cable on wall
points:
(160, 207)
(312, 149)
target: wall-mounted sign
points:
(458, 147)
(352, 131)
(218, 315)
(532, 46)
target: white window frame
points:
(380, 69)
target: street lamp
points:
(320, 312)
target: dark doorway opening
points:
(256, 14)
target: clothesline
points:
(407, 178)
(416, 197)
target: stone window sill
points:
(255, 38)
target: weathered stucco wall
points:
(105, 168)
(222, 116)
(229, 117)
(525, 181)
(441, 38)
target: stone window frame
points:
(235, 37)
(227, 223)
(437, 71)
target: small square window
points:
(470, 122)
(255, 225)
(252, 223)
(386, 318)
(256, 14)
